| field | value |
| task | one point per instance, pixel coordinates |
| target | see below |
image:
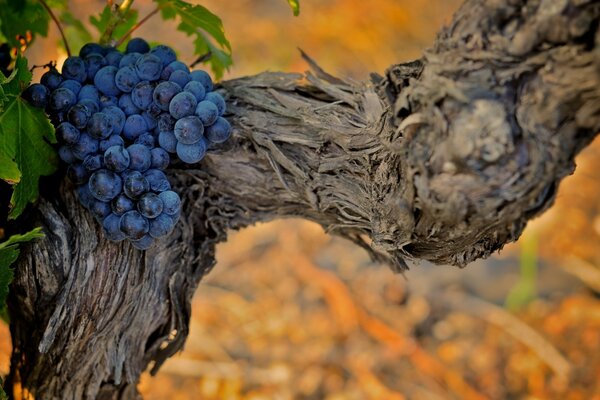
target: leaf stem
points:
(57, 22)
(136, 26)
(117, 14)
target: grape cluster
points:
(119, 117)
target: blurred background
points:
(292, 313)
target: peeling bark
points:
(445, 158)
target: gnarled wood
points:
(444, 159)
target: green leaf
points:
(35, 233)
(18, 18)
(114, 23)
(295, 4)
(25, 134)
(196, 20)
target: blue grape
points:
(134, 225)
(137, 45)
(174, 66)
(197, 89)
(51, 79)
(146, 139)
(72, 85)
(135, 184)
(92, 162)
(151, 122)
(105, 81)
(113, 58)
(92, 106)
(150, 205)
(90, 48)
(79, 115)
(85, 196)
(105, 185)
(67, 133)
(167, 141)
(100, 126)
(161, 226)
(116, 158)
(126, 104)
(171, 202)
(157, 180)
(84, 146)
(191, 153)
(160, 158)
(100, 209)
(135, 125)
(58, 117)
(89, 92)
(112, 140)
(182, 105)
(165, 122)
(164, 92)
(154, 109)
(111, 225)
(148, 67)
(208, 112)
(126, 79)
(140, 157)
(93, 63)
(37, 94)
(180, 77)
(121, 204)
(218, 132)
(66, 154)
(204, 78)
(129, 59)
(61, 99)
(117, 118)
(188, 130)
(218, 100)
(74, 68)
(77, 174)
(141, 95)
(106, 101)
(165, 54)
(144, 243)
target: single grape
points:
(51, 79)
(167, 141)
(67, 133)
(191, 153)
(92, 106)
(218, 132)
(137, 45)
(90, 48)
(140, 157)
(197, 89)
(85, 196)
(113, 58)
(79, 115)
(182, 105)
(89, 92)
(37, 94)
(204, 78)
(93, 162)
(129, 59)
(72, 85)
(105, 81)
(208, 112)
(105, 185)
(74, 68)
(126, 79)
(135, 184)
(188, 130)
(66, 154)
(106, 101)
(164, 92)
(93, 63)
(157, 180)
(134, 225)
(100, 126)
(161, 226)
(144, 243)
(165, 122)
(151, 122)
(135, 125)
(61, 99)
(174, 66)
(126, 104)
(171, 202)
(121, 204)
(154, 109)
(180, 77)
(141, 95)
(150, 205)
(148, 67)
(111, 225)
(160, 158)
(100, 209)
(112, 140)
(218, 100)
(165, 54)
(116, 158)
(117, 118)
(146, 139)
(77, 174)
(84, 146)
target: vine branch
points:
(59, 26)
(136, 26)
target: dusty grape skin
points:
(105, 81)
(121, 204)
(188, 130)
(67, 133)
(167, 141)
(117, 118)
(157, 180)
(161, 226)
(37, 94)
(74, 68)
(135, 185)
(191, 153)
(164, 92)
(141, 95)
(159, 158)
(137, 45)
(171, 202)
(203, 78)
(218, 132)
(218, 100)
(105, 185)
(51, 79)
(135, 125)
(164, 53)
(150, 205)
(79, 115)
(182, 105)
(180, 77)
(208, 112)
(61, 99)
(93, 63)
(148, 67)
(116, 158)
(197, 89)
(126, 78)
(111, 225)
(133, 225)
(127, 106)
(84, 146)
(100, 126)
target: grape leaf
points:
(114, 23)
(196, 20)
(22, 19)
(25, 134)
(295, 4)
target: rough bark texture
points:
(444, 159)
